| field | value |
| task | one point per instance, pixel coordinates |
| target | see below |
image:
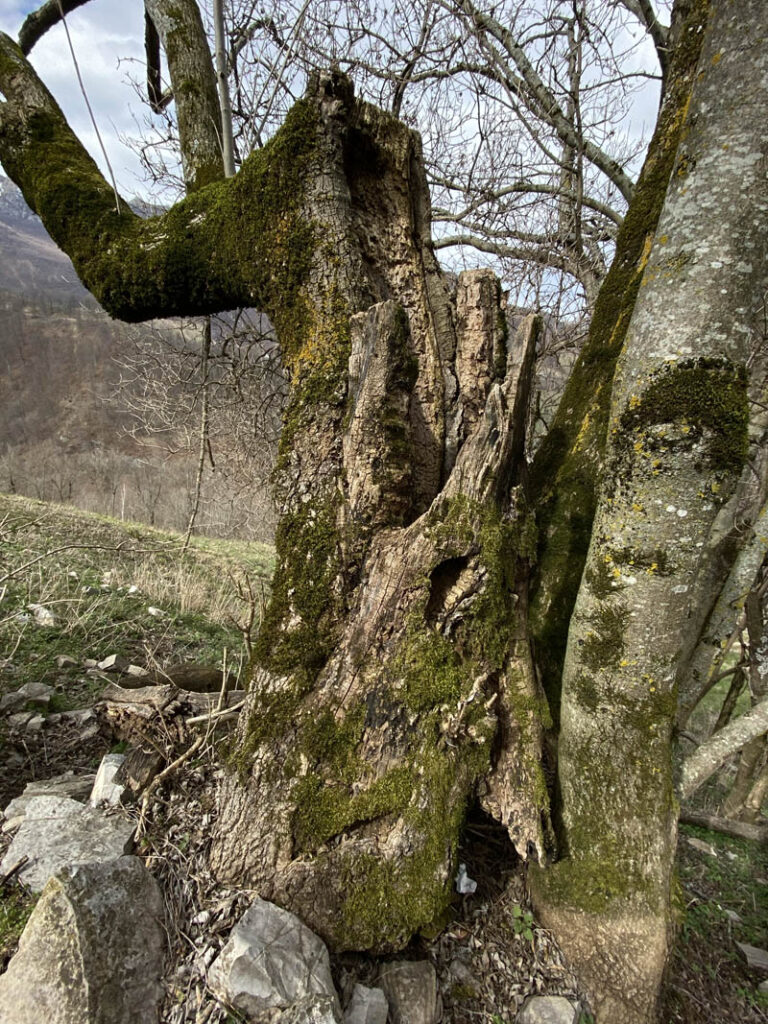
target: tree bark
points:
(739, 829)
(567, 467)
(393, 679)
(193, 81)
(711, 755)
(677, 443)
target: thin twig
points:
(169, 770)
(211, 715)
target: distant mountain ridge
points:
(30, 262)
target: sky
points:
(103, 32)
(108, 37)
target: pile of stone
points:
(95, 946)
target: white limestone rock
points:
(272, 962)
(105, 789)
(92, 951)
(29, 693)
(57, 832)
(548, 1010)
(76, 787)
(412, 992)
(311, 1010)
(367, 1006)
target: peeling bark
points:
(430, 683)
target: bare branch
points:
(645, 14)
(543, 101)
(710, 755)
(739, 829)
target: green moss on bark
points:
(566, 470)
(240, 242)
(297, 633)
(708, 398)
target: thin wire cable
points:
(88, 105)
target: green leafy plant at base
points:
(522, 923)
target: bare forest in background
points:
(83, 422)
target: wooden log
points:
(728, 827)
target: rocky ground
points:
(488, 957)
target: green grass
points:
(707, 980)
(81, 566)
(15, 907)
(729, 882)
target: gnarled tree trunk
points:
(393, 679)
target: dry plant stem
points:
(218, 714)
(203, 434)
(84, 547)
(169, 770)
(16, 867)
(223, 691)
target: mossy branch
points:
(241, 242)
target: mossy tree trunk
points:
(392, 674)
(393, 680)
(678, 443)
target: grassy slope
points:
(198, 597)
(88, 563)
(87, 566)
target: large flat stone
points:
(274, 962)
(57, 831)
(92, 951)
(76, 787)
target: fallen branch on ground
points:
(728, 827)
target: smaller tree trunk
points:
(729, 704)
(707, 758)
(753, 805)
(753, 756)
(746, 788)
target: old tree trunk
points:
(430, 639)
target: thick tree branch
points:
(215, 250)
(158, 100)
(645, 14)
(739, 829)
(710, 755)
(193, 81)
(44, 18)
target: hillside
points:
(30, 263)
(74, 422)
